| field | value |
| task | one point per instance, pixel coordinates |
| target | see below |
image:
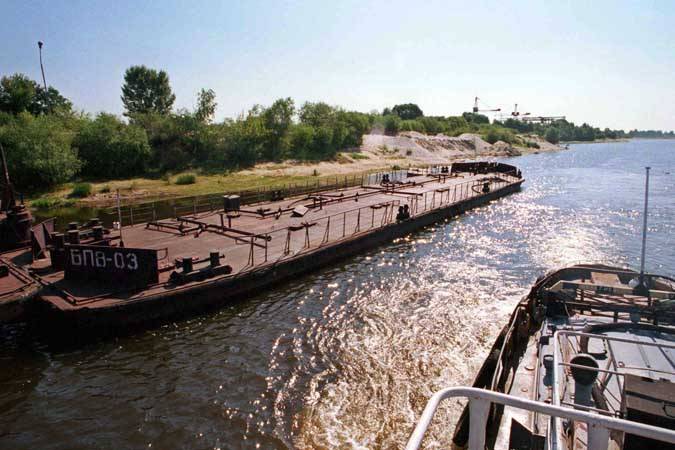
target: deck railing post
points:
(287, 247)
(131, 214)
(344, 223)
(250, 254)
(598, 437)
(326, 235)
(266, 242)
(154, 212)
(478, 415)
(358, 222)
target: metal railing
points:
(151, 211)
(333, 228)
(144, 212)
(480, 401)
(559, 366)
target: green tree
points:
(475, 118)
(301, 138)
(317, 114)
(407, 111)
(552, 135)
(206, 106)
(146, 91)
(392, 124)
(278, 119)
(39, 152)
(110, 148)
(18, 93)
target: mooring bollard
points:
(187, 264)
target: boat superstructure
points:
(587, 360)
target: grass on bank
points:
(104, 193)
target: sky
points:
(610, 64)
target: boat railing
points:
(560, 364)
(320, 231)
(152, 211)
(481, 400)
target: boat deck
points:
(265, 234)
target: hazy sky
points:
(607, 63)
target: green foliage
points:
(407, 111)
(38, 149)
(358, 156)
(493, 134)
(80, 190)
(206, 106)
(48, 203)
(474, 118)
(392, 124)
(650, 134)
(110, 148)
(18, 93)
(146, 91)
(175, 139)
(301, 138)
(278, 119)
(412, 125)
(552, 135)
(186, 178)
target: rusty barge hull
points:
(181, 301)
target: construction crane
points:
(476, 110)
(517, 114)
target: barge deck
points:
(163, 268)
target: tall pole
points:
(44, 80)
(644, 229)
(42, 68)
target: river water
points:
(345, 357)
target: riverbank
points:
(377, 153)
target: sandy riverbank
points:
(409, 149)
(378, 152)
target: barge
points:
(93, 278)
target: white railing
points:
(479, 409)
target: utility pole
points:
(44, 81)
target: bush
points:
(112, 149)
(359, 156)
(552, 135)
(38, 150)
(105, 189)
(80, 190)
(186, 178)
(495, 134)
(392, 124)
